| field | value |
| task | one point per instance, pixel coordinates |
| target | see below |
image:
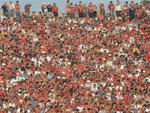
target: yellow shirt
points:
(135, 50)
(5, 106)
(4, 33)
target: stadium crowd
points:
(74, 65)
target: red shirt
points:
(44, 6)
(72, 10)
(80, 6)
(54, 8)
(94, 7)
(67, 7)
(17, 8)
(76, 9)
(90, 7)
(111, 7)
(101, 5)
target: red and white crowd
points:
(74, 65)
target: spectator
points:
(85, 10)
(72, 10)
(131, 12)
(90, 10)
(76, 11)
(102, 8)
(5, 9)
(67, 5)
(55, 10)
(11, 9)
(27, 9)
(94, 10)
(17, 10)
(49, 9)
(80, 9)
(118, 8)
(111, 8)
(44, 8)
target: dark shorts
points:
(118, 13)
(55, 14)
(94, 14)
(90, 14)
(72, 15)
(18, 14)
(81, 15)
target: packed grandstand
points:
(91, 59)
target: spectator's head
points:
(132, 2)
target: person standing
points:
(118, 9)
(132, 11)
(67, 5)
(80, 7)
(72, 11)
(17, 10)
(85, 10)
(111, 8)
(5, 9)
(76, 11)
(102, 8)
(11, 9)
(94, 10)
(55, 10)
(27, 9)
(49, 9)
(44, 9)
(125, 11)
(90, 9)
(131, 14)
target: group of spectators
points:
(127, 11)
(10, 10)
(74, 65)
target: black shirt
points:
(4, 7)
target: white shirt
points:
(118, 7)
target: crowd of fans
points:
(126, 11)
(73, 65)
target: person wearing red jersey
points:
(80, 7)
(111, 8)
(55, 10)
(49, 9)
(118, 9)
(67, 5)
(85, 10)
(126, 7)
(90, 9)
(17, 10)
(76, 11)
(125, 11)
(72, 10)
(94, 10)
(11, 9)
(44, 7)
(102, 8)
(27, 9)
